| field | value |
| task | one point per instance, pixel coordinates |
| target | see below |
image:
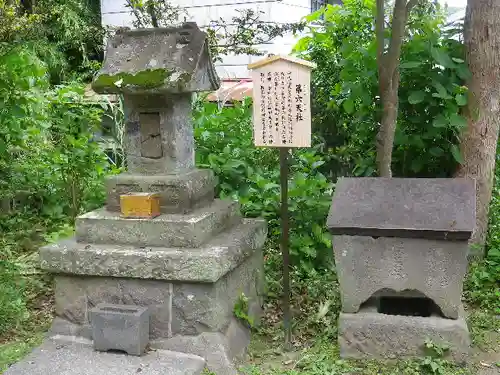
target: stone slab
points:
(369, 266)
(205, 264)
(175, 308)
(76, 358)
(178, 193)
(167, 230)
(120, 327)
(221, 351)
(369, 335)
(157, 60)
(404, 207)
(213, 347)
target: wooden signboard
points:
(281, 102)
(282, 118)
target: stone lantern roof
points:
(157, 61)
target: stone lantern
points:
(174, 278)
(401, 250)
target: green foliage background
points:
(346, 106)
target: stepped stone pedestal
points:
(401, 256)
(191, 264)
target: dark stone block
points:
(404, 207)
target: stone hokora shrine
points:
(170, 282)
(401, 249)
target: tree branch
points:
(398, 30)
(136, 13)
(379, 29)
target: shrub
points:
(251, 175)
(12, 302)
(345, 91)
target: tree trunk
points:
(385, 137)
(388, 75)
(479, 141)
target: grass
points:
(315, 342)
(323, 358)
(26, 293)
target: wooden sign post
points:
(282, 118)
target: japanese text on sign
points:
(281, 106)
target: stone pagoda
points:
(188, 266)
(401, 250)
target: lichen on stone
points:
(146, 79)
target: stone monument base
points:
(219, 352)
(77, 357)
(369, 334)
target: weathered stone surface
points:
(178, 193)
(198, 308)
(410, 207)
(213, 347)
(205, 264)
(120, 327)
(63, 327)
(76, 296)
(175, 308)
(167, 230)
(165, 147)
(151, 145)
(366, 266)
(75, 358)
(369, 334)
(238, 338)
(74, 299)
(157, 60)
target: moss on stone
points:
(146, 79)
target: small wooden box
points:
(140, 205)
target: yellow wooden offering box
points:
(140, 205)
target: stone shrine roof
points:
(156, 61)
(437, 208)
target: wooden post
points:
(282, 118)
(285, 228)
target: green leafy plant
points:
(66, 34)
(240, 310)
(13, 309)
(249, 174)
(346, 105)
(434, 363)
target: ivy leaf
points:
(434, 367)
(348, 105)
(457, 155)
(458, 121)
(441, 91)
(463, 72)
(317, 164)
(436, 151)
(461, 99)
(440, 121)
(442, 58)
(416, 97)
